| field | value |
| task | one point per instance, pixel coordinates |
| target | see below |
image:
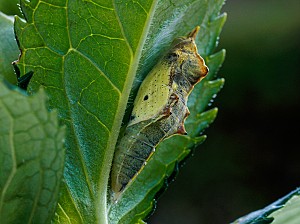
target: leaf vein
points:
(75, 205)
(122, 31)
(63, 211)
(101, 6)
(93, 115)
(67, 21)
(97, 67)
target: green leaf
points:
(31, 157)
(8, 48)
(289, 213)
(285, 210)
(89, 56)
(10, 7)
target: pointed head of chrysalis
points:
(185, 51)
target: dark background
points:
(251, 156)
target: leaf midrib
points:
(101, 210)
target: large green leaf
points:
(89, 56)
(31, 158)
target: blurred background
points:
(251, 157)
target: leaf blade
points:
(32, 158)
(96, 52)
(77, 77)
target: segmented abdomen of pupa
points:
(139, 143)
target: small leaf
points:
(284, 210)
(209, 39)
(8, 48)
(289, 214)
(31, 157)
(201, 122)
(10, 7)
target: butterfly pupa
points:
(159, 109)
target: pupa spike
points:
(181, 130)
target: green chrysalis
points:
(160, 109)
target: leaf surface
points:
(31, 158)
(8, 48)
(90, 55)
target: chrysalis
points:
(160, 109)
